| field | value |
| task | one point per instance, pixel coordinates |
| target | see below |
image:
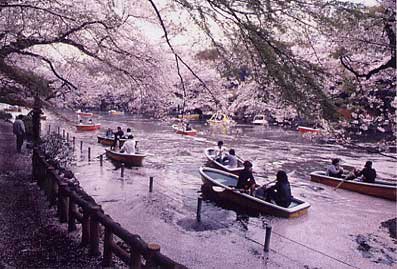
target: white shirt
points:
(129, 146)
(333, 170)
(219, 152)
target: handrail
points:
(74, 204)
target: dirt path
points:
(30, 236)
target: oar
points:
(340, 183)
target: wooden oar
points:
(340, 183)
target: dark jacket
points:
(118, 134)
(281, 193)
(369, 174)
(245, 180)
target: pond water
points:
(341, 230)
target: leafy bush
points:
(57, 150)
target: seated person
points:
(128, 133)
(129, 146)
(219, 152)
(281, 191)
(90, 122)
(188, 127)
(368, 173)
(230, 160)
(80, 122)
(246, 181)
(109, 133)
(334, 170)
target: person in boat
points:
(231, 160)
(117, 135)
(368, 174)
(188, 127)
(129, 145)
(80, 122)
(246, 181)
(219, 152)
(280, 192)
(335, 170)
(90, 122)
(128, 133)
(109, 133)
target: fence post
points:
(67, 137)
(89, 154)
(101, 160)
(150, 184)
(50, 184)
(81, 146)
(85, 227)
(49, 128)
(135, 260)
(199, 202)
(107, 248)
(268, 234)
(94, 232)
(153, 249)
(122, 169)
(71, 220)
(74, 141)
(59, 130)
(62, 203)
(63, 133)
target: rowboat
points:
(227, 182)
(88, 127)
(109, 141)
(259, 120)
(220, 119)
(115, 112)
(380, 188)
(135, 159)
(305, 130)
(13, 109)
(84, 114)
(181, 130)
(210, 154)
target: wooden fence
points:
(74, 206)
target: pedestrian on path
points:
(19, 130)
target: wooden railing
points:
(74, 206)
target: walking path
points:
(30, 236)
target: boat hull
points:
(178, 130)
(116, 113)
(189, 116)
(129, 159)
(210, 154)
(85, 114)
(247, 201)
(386, 191)
(85, 128)
(106, 141)
(307, 130)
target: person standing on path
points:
(19, 130)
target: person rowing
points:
(280, 192)
(368, 174)
(334, 169)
